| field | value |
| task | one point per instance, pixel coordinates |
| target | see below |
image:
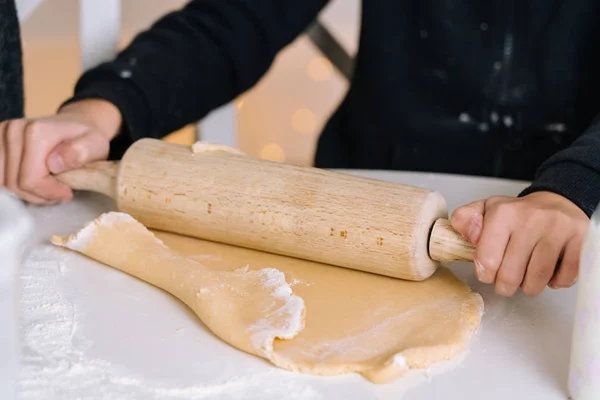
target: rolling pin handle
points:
(99, 177)
(447, 245)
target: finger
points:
(491, 247)
(41, 138)
(468, 220)
(77, 152)
(541, 267)
(566, 276)
(13, 143)
(514, 264)
(34, 176)
(67, 155)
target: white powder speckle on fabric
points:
(55, 366)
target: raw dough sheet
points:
(300, 315)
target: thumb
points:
(74, 153)
(468, 220)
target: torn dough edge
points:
(262, 340)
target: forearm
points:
(194, 60)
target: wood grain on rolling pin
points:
(309, 213)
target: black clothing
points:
(11, 70)
(497, 88)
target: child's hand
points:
(33, 149)
(521, 241)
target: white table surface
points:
(129, 340)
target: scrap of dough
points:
(247, 309)
(377, 326)
(204, 147)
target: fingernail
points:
(483, 274)
(56, 164)
(503, 289)
(479, 268)
(476, 225)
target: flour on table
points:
(55, 364)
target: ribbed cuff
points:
(576, 182)
(106, 85)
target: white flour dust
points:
(285, 321)
(299, 281)
(55, 366)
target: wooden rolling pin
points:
(330, 217)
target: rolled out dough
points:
(336, 321)
(205, 147)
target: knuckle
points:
(562, 220)
(495, 200)
(459, 212)
(505, 209)
(34, 127)
(532, 290)
(102, 143)
(534, 218)
(581, 227)
(490, 262)
(35, 130)
(457, 219)
(13, 133)
(31, 128)
(510, 280)
(27, 184)
(542, 274)
(73, 156)
(12, 123)
(79, 151)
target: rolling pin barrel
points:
(324, 216)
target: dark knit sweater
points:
(503, 88)
(11, 72)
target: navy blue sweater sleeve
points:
(574, 172)
(192, 61)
